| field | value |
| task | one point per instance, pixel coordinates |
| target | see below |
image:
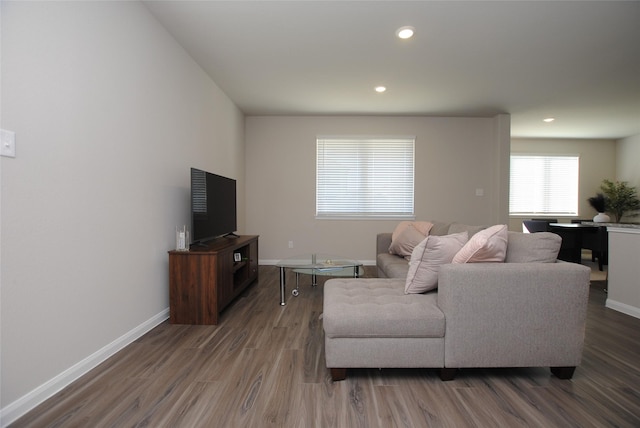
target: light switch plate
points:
(7, 143)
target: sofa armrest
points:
(513, 314)
(383, 242)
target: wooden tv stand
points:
(204, 280)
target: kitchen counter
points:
(618, 225)
(624, 268)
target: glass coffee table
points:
(316, 264)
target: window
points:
(364, 177)
(544, 185)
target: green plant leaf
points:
(620, 199)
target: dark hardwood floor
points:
(263, 365)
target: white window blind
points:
(364, 177)
(544, 185)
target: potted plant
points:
(620, 199)
(599, 203)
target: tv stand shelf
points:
(204, 280)
(239, 265)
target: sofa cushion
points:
(541, 247)
(488, 245)
(459, 227)
(391, 266)
(440, 228)
(374, 307)
(427, 258)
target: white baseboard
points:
(622, 307)
(21, 406)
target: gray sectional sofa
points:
(520, 313)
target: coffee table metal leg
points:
(296, 291)
(282, 303)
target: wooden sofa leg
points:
(563, 372)
(447, 373)
(338, 374)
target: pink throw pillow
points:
(488, 245)
(407, 235)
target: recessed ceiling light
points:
(380, 89)
(549, 119)
(405, 32)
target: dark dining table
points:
(575, 237)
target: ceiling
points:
(576, 61)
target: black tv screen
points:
(213, 205)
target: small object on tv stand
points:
(182, 238)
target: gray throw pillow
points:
(540, 247)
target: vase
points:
(601, 218)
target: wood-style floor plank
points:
(263, 365)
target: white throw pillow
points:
(427, 258)
(489, 245)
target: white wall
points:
(628, 161)
(454, 157)
(597, 162)
(109, 114)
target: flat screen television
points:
(213, 206)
